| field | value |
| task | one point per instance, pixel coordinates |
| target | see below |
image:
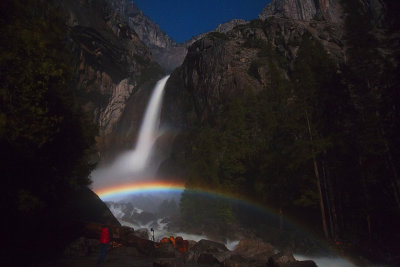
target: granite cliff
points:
(216, 68)
(165, 51)
(328, 10)
(119, 55)
(112, 65)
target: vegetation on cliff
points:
(259, 144)
(45, 138)
(319, 142)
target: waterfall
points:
(134, 161)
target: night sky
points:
(183, 19)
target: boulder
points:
(285, 259)
(280, 259)
(81, 247)
(167, 250)
(208, 259)
(142, 233)
(123, 233)
(125, 251)
(237, 261)
(144, 246)
(207, 251)
(254, 249)
(191, 244)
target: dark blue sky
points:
(182, 19)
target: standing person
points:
(105, 239)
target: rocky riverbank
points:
(131, 250)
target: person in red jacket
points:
(105, 239)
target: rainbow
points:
(161, 186)
(139, 187)
(179, 187)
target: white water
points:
(134, 161)
(161, 231)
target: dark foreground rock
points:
(254, 249)
(307, 263)
(207, 252)
(142, 233)
(166, 251)
(280, 259)
(131, 250)
(82, 247)
(285, 259)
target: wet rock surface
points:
(254, 249)
(207, 252)
(286, 259)
(129, 249)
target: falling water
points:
(150, 122)
(135, 161)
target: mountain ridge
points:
(168, 53)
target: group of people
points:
(106, 238)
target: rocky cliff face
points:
(222, 28)
(148, 31)
(328, 10)
(115, 47)
(112, 63)
(217, 67)
(227, 26)
(165, 51)
(222, 66)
